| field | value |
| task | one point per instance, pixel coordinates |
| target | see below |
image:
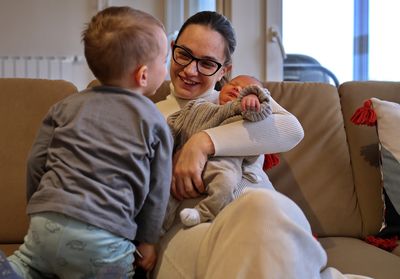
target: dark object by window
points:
(300, 67)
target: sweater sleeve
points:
(36, 163)
(199, 115)
(151, 216)
(279, 132)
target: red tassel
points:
(388, 244)
(365, 115)
(270, 160)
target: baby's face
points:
(230, 91)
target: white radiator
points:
(49, 67)
(71, 68)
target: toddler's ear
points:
(141, 76)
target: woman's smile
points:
(187, 81)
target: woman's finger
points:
(184, 188)
(190, 188)
(173, 188)
(198, 184)
(175, 192)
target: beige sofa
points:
(333, 174)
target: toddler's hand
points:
(250, 102)
(149, 256)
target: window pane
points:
(384, 41)
(201, 5)
(322, 30)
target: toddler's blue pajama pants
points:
(63, 247)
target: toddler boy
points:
(99, 171)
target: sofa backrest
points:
(23, 104)
(317, 174)
(161, 93)
(363, 145)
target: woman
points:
(261, 234)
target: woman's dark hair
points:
(218, 23)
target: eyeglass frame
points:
(194, 58)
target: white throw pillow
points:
(388, 128)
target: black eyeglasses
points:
(204, 66)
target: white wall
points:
(41, 27)
(45, 28)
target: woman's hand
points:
(147, 256)
(189, 163)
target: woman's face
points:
(204, 43)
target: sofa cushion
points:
(23, 104)
(363, 145)
(355, 256)
(385, 116)
(388, 119)
(396, 250)
(316, 174)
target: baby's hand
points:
(147, 256)
(250, 102)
